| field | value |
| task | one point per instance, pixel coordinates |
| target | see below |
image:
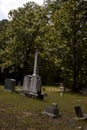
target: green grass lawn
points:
(18, 112)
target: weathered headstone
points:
(10, 85)
(61, 89)
(79, 113)
(26, 83)
(52, 111)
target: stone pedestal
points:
(35, 85)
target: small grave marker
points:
(52, 111)
(79, 113)
(61, 89)
(10, 85)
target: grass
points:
(21, 113)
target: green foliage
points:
(59, 30)
(69, 25)
(25, 31)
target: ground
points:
(18, 112)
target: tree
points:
(26, 34)
(59, 30)
(71, 34)
(3, 37)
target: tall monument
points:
(32, 83)
(35, 85)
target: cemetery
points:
(43, 66)
(56, 109)
(54, 112)
(32, 84)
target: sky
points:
(7, 5)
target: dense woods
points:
(58, 29)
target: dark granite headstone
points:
(79, 113)
(10, 84)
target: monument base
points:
(34, 95)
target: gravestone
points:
(10, 85)
(35, 85)
(32, 83)
(79, 113)
(26, 83)
(61, 89)
(52, 111)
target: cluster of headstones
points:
(32, 87)
(31, 84)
